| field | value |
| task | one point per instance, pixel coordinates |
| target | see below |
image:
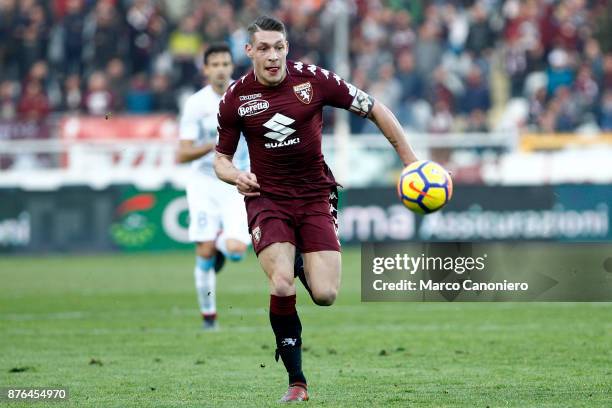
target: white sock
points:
(205, 280)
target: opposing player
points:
(291, 194)
(218, 223)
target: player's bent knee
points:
(206, 250)
(236, 247)
(282, 285)
(325, 297)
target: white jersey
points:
(199, 123)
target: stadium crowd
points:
(440, 65)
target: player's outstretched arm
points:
(393, 131)
(245, 182)
(187, 151)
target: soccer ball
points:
(424, 187)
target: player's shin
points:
(205, 281)
(288, 332)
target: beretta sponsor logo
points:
(249, 97)
(253, 107)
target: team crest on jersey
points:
(256, 234)
(304, 92)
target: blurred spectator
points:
(458, 28)
(559, 72)
(537, 106)
(185, 45)
(98, 99)
(387, 88)
(566, 110)
(300, 32)
(104, 33)
(164, 99)
(594, 58)
(8, 32)
(214, 30)
(568, 14)
(445, 86)
(480, 36)
(369, 57)
(605, 120)
(442, 119)
(601, 23)
(412, 89)
(39, 71)
(139, 98)
(72, 32)
(428, 50)
(249, 12)
(477, 94)
(8, 100)
(176, 9)
(32, 35)
(118, 81)
(402, 36)
(411, 82)
(515, 60)
(72, 96)
(536, 58)
(586, 89)
(607, 71)
(145, 25)
(34, 104)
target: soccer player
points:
(218, 222)
(291, 195)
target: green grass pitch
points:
(123, 330)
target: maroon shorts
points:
(311, 225)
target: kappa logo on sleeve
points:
(304, 92)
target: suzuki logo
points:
(279, 124)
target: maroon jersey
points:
(282, 127)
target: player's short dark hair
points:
(216, 48)
(265, 23)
